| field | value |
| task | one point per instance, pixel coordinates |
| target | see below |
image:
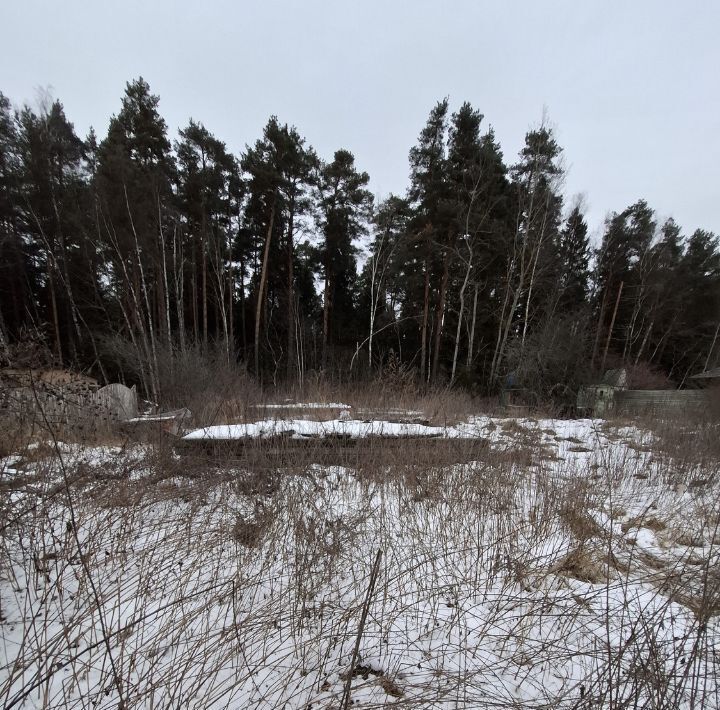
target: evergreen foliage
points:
(117, 253)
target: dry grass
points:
(235, 578)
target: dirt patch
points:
(650, 522)
(689, 540)
(391, 687)
(579, 564)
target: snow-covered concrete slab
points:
(304, 429)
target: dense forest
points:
(119, 255)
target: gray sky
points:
(632, 88)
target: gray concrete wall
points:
(659, 402)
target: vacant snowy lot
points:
(544, 563)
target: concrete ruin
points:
(57, 397)
(612, 395)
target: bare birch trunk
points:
(326, 317)
(166, 287)
(373, 270)
(644, 342)
(261, 287)
(150, 329)
(426, 313)
(220, 285)
(712, 347)
(54, 311)
(194, 284)
(471, 337)
(290, 294)
(612, 325)
(601, 319)
(243, 325)
(440, 314)
(178, 283)
(461, 313)
(145, 354)
(203, 257)
(231, 294)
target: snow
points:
(303, 405)
(153, 418)
(303, 428)
(476, 604)
(476, 427)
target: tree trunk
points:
(194, 282)
(243, 325)
(151, 329)
(165, 284)
(458, 330)
(529, 299)
(261, 287)
(290, 294)
(54, 311)
(440, 314)
(376, 288)
(203, 257)
(601, 319)
(231, 314)
(471, 338)
(178, 283)
(426, 313)
(612, 325)
(644, 342)
(373, 273)
(220, 287)
(712, 347)
(326, 316)
(500, 353)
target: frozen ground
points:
(304, 428)
(303, 405)
(475, 427)
(572, 565)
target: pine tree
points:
(383, 275)
(622, 272)
(697, 335)
(466, 179)
(664, 303)
(344, 207)
(573, 262)
(281, 169)
(209, 194)
(300, 173)
(533, 248)
(495, 229)
(54, 188)
(429, 196)
(133, 187)
(18, 280)
(474, 273)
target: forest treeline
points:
(122, 254)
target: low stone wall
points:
(660, 402)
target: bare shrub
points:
(249, 530)
(13, 436)
(642, 376)
(551, 363)
(208, 381)
(238, 577)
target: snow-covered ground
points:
(573, 565)
(303, 405)
(476, 427)
(304, 428)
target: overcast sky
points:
(632, 87)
